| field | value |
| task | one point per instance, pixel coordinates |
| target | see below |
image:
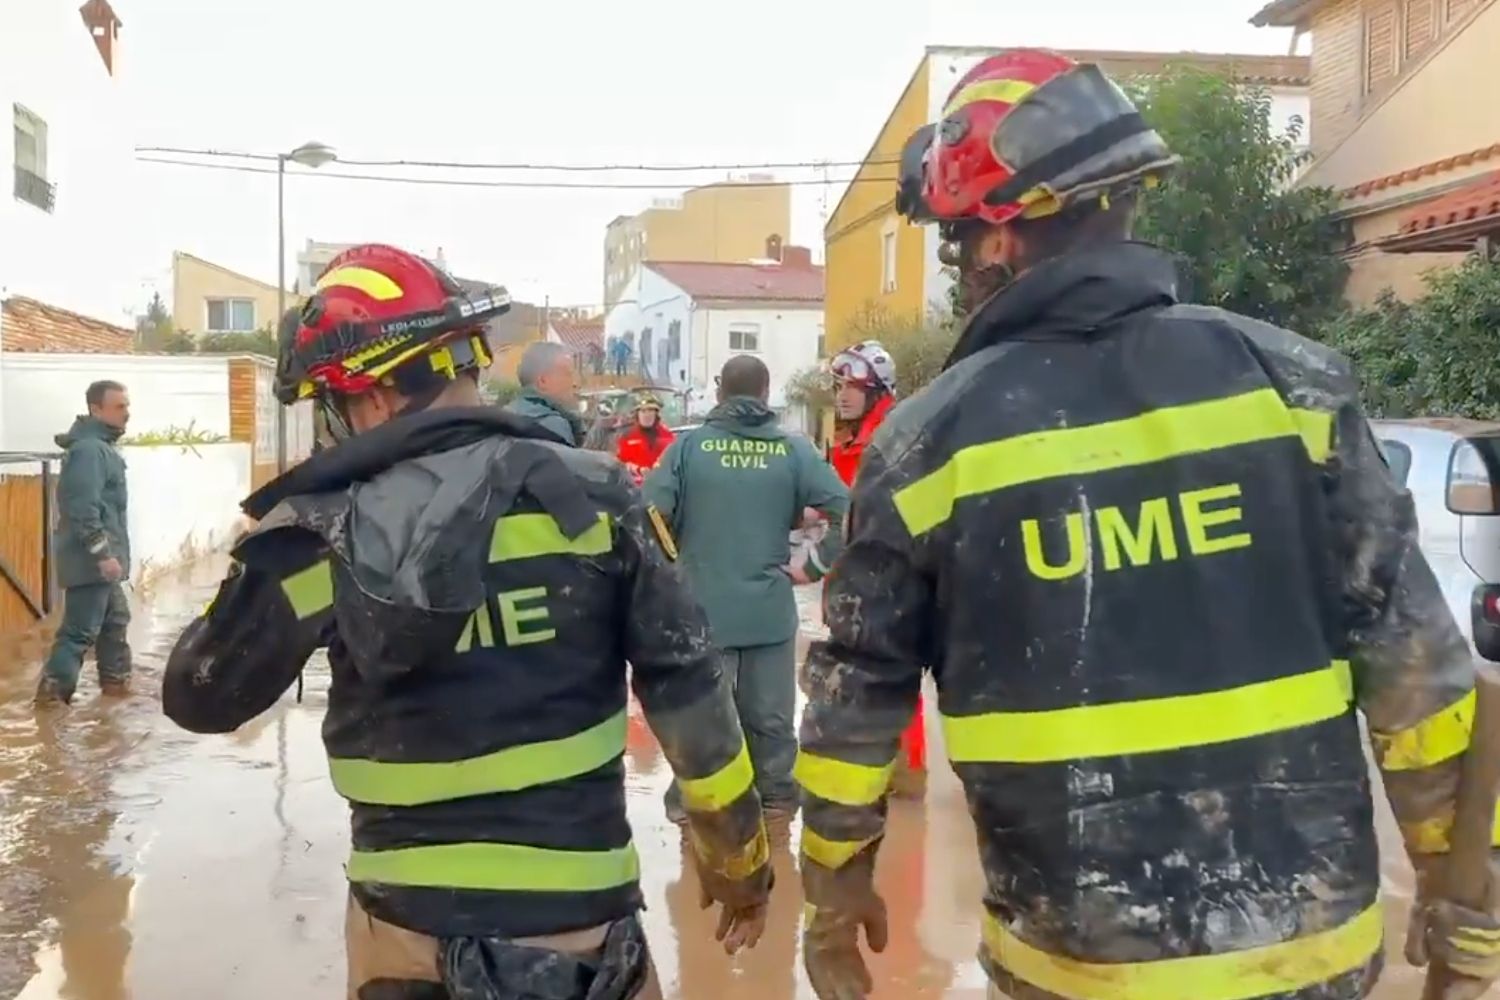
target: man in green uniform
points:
(479, 588)
(549, 391)
(735, 488)
(93, 550)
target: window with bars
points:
(31, 184)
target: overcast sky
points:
(648, 81)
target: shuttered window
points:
(1421, 26)
(1458, 8)
(1380, 47)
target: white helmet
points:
(866, 363)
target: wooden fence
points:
(27, 594)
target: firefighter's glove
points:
(840, 903)
(1465, 940)
(743, 903)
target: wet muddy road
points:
(138, 861)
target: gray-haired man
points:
(550, 391)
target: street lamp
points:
(309, 154)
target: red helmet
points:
(1026, 133)
(374, 310)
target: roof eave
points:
(1285, 13)
(1455, 238)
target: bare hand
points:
(111, 570)
(798, 574)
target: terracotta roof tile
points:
(1481, 155)
(579, 334)
(1451, 221)
(35, 327)
(766, 282)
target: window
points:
(31, 159)
(231, 315)
(1398, 458)
(1380, 47)
(1421, 26)
(674, 339)
(744, 337)
(888, 259)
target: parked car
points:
(1452, 467)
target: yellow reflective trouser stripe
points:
(1439, 737)
(1272, 970)
(1149, 726)
(831, 853)
(310, 591)
(842, 782)
(524, 536)
(1430, 836)
(497, 867)
(721, 788)
(390, 784)
(1156, 436)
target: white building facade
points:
(685, 320)
(67, 216)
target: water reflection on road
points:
(138, 861)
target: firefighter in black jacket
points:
(1156, 565)
(479, 588)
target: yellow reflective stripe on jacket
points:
(737, 865)
(1155, 436)
(310, 590)
(1437, 738)
(1151, 725)
(391, 784)
(831, 853)
(842, 782)
(525, 536)
(497, 867)
(1430, 836)
(720, 789)
(1271, 970)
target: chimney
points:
(104, 26)
(797, 257)
(773, 247)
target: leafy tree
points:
(155, 332)
(1252, 242)
(1434, 356)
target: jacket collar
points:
(1075, 295)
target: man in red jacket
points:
(866, 376)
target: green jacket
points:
(733, 491)
(92, 503)
(560, 420)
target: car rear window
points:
(1398, 457)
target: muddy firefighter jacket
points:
(479, 594)
(736, 487)
(1156, 563)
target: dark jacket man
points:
(550, 392)
(735, 488)
(92, 546)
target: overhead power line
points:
(460, 182)
(560, 167)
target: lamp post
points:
(309, 154)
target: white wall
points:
(649, 300)
(184, 501)
(44, 392)
(788, 342)
(79, 255)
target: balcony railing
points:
(34, 188)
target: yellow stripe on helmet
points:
(374, 284)
(1009, 91)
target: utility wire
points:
(456, 182)
(561, 167)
